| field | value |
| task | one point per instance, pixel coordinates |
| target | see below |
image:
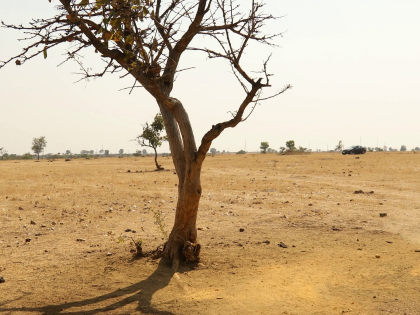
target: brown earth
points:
(341, 255)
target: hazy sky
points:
(354, 66)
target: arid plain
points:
(318, 233)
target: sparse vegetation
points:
(3, 153)
(264, 146)
(38, 145)
(151, 136)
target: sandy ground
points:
(60, 223)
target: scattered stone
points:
(109, 254)
(38, 234)
(282, 245)
(383, 214)
(28, 240)
(358, 191)
(334, 228)
(2, 280)
(241, 230)
(128, 230)
(20, 208)
(377, 256)
(33, 222)
(80, 240)
(357, 157)
(43, 225)
(128, 171)
(417, 251)
(266, 242)
(132, 231)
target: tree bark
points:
(158, 167)
(182, 242)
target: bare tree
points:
(146, 39)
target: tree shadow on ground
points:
(141, 292)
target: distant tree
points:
(241, 152)
(416, 149)
(379, 149)
(144, 152)
(3, 152)
(385, 148)
(151, 136)
(290, 145)
(282, 149)
(121, 152)
(68, 152)
(403, 148)
(264, 146)
(91, 152)
(106, 152)
(223, 152)
(270, 150)
(339, 146)
(213, 151)
(302, 149)
(101, 151)
(28, 156)
(38, 145)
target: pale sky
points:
(354, 66)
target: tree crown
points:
(38, 144)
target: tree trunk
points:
(157, 165)
(182, 242)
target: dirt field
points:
(309, 245)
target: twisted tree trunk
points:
(182, 242)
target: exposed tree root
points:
(188, 253)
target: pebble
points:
(241, 230)
(2, 280)
(109, 254)
(33, 222)
(28, 240)
(377, 256)
(383, 214)
(80, 240)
